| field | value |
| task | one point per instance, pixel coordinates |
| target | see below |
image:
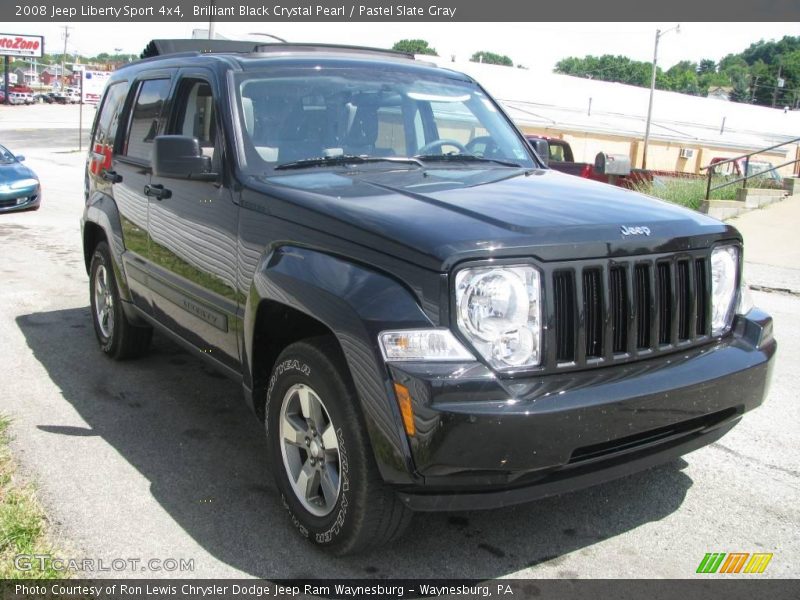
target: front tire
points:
(118, 338)
(320, 454)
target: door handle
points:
(111, 176)
(157, 191)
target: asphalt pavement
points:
(159, 458)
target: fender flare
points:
(103, 212)
(355, 303)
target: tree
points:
(490, 58)
(753, 74)
(741, 90)
(706, 67)
(414, 47)
(610, 68)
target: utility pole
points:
(659, 33)
(755, 85)
(777, 85)
(6, 67)
(64, 58)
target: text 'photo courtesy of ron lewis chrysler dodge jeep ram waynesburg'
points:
(424, 316)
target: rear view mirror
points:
(542, 149)
(180, 157)
(19, 157)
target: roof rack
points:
(162, 47)
(312, 47)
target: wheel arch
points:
(301, 292)
(101, 222)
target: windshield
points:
(5, 156)
(295, 115)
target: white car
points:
(17, 98)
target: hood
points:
(436, 217)
(14, 171)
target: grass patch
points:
(23, 524)
(687, 192)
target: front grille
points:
(617, 310)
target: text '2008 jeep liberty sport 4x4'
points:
(423, 314)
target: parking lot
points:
(159, 458)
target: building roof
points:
(547, 100)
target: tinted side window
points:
(108, 119)
(196, 114)
(146, 118)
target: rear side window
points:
(556, 153)
(108, 119)
(146, 118)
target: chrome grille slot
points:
(664, 291)
(593, 312)
(619, 308)
(565, 315)
(684, 297)
(645, 319)
(701, 296)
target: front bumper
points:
(22, 199)
(484, 442)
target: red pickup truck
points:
(561, 158)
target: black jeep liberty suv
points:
(424, 316)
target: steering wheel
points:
(490, 146)
(438, 144)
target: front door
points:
(192, 234)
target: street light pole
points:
(659, 33)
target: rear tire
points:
(320, 454)
(118, 338)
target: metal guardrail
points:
(710, 168)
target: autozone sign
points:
(12, 44)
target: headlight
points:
(422, 344)
(724, 270)
(498, 309)
(23, 183)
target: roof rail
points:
(311, 47)
(162, 47)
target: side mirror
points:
(19, 157)
(542, 149)
(180, 157)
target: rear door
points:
(130, 172)
(193, 232)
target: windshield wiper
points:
(464, 158)
(346, 159)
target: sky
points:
(535, 45)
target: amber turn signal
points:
(404, 401)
